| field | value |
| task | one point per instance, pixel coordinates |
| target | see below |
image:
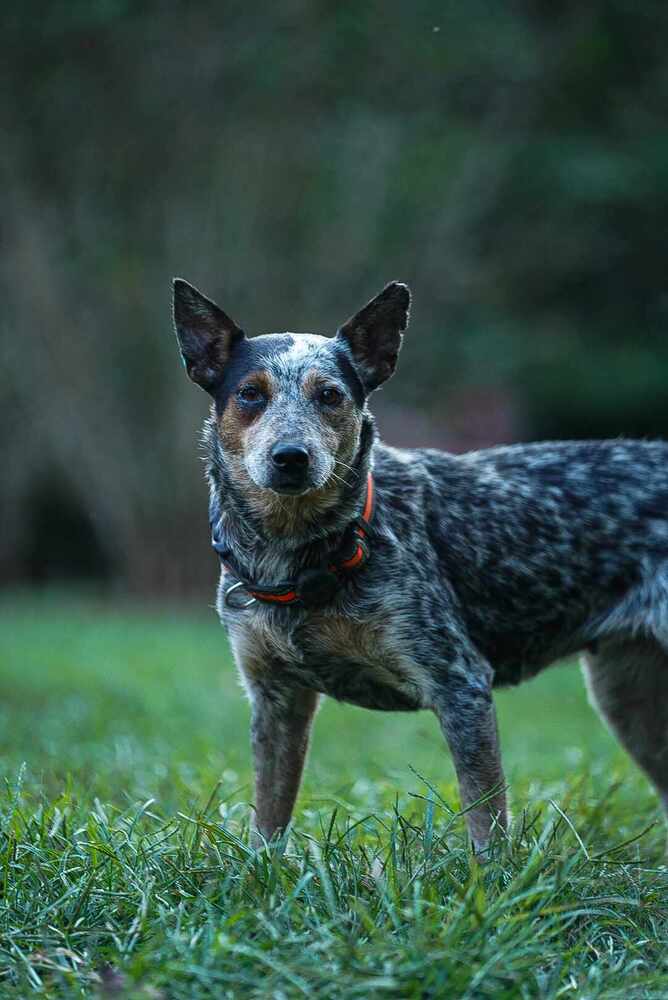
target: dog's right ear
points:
(374, 334)
(205, 333)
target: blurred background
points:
(509, 161)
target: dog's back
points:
(548, 546)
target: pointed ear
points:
(374, 334)
(205, 333)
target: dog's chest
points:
(358, 662)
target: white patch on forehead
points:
(305, 343)
(305, 350)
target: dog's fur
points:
(484, 569)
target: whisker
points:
(345, 483)
(337, 461)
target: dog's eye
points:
(330, 396)
(250, 394)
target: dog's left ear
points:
(205, 333)
(374, 334)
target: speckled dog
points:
(403, 580)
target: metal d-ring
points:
(230, 591)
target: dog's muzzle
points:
(290, 466)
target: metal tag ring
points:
(231, 590)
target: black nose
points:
(290, 457)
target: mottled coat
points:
(484, 567)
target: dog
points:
(416, 579)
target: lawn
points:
(125, 869)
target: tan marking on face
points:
(313, 380)
(341, 425)
(236, 421)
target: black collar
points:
(311, 587)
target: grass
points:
(125, 869)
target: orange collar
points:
(311, 587)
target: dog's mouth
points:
(291, 485)
(290, 489)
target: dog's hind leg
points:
(465, 710)
(281, 722)
(627, 681)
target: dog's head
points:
(289, 407)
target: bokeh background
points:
(509, 161)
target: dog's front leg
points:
(467, 716)
(280, 728)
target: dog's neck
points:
(274, 539)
